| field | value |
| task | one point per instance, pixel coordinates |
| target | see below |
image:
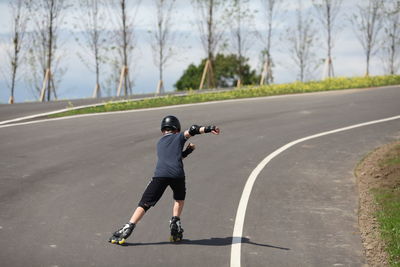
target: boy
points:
(169, 172)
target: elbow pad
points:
(194, 129)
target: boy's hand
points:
(216, 131)
(211, 129)
(191, 146)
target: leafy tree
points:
(271, 12)
(191, 77)
(90, 20)
(225, 73)
(44, 52)
(328, 11)
(391, 37)
(211, 31)
(302, 39)
(240, 21)
(19, 10)
(124, 37)
(367, 24)
(163, 38)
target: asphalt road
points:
(19, 110)
(65, 185)
(9, 112)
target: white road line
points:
(35, 116)
(241, 211)
(17, 121)
(20, 121)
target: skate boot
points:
(120, 236)
(176, 229)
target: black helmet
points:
(171, 122)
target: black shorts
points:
(155, 189)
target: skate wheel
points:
(122, 241)
(175, 239)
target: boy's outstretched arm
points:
(195, 129)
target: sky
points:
(78, 81)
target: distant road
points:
(66, 184)
(8, 112)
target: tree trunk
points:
(50, 50)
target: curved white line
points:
(241, 211)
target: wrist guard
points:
(194, 129)
(187, 151)
(209, 129)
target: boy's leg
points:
(137, 215)
(178, 207)
(179, 188)
(154, 191)
(151, 195)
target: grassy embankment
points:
(245, 92)
(388, 200)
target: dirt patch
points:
(372, 174)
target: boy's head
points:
(170, 123)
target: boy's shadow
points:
(214, 241)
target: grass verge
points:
(388, 200)
(246, 92)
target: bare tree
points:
(302, 41)
(91, 21)
(162, 38)
(211, 33)
(45, 45)
(367, 23)
(124, 15)
(240, 19)
(328, 11)
(391, 43)
(19, 19)
(270, 12)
